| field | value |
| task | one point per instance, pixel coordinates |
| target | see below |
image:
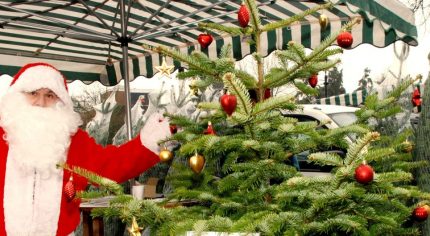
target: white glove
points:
(155, 129)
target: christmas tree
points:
(232, 169)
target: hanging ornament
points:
(197, 162)
(205, 40)
(323, 19)
(420, 214)
(135, 229)
(164, 69)
(165, 155)
(416, 99)
(243, 16)
(228, 103)
(364, 173)
(313, 80)
(210, 130)
(267, 93)
(344, 39)
(69, 189)
(173, 128)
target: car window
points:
(343, 118)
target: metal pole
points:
(124, 46)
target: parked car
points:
(339, 116)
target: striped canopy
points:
(83, 38)
(354, 99)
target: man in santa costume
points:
(38, 129)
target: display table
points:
(93, 226)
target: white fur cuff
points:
(155, 129)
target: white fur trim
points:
(156, 128)
(42, 76)
(31, 203)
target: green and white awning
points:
(353, 99)
(83, 38)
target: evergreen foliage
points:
(249, 184)
(421, 153)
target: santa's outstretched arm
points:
(123, 162)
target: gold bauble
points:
(197, 162)
(165, 155)
(323, 21)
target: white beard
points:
(38, 137)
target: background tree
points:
(422, 151)
(365, 83)
(334, 84)
(84, 104)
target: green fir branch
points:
(398, 176)
(300, 182)
(233, 31)
(295, 18)
(409, 166)
(355, 148)
(379, 155)
(110, 185)
(324, 158)
(237, 88)
(279, 102)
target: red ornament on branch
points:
(243, 16)
(416, 98)
(69, 189)
(420, 214)
(210, 130)
(344, 39)
(173, 129)
(205, 40)
(364, 174)
(267, 93)
(313, 80)
(228, 103)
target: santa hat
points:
(40, 75)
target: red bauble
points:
(243, 16)
(173, 129)
(344, 39)
(205, 40)
(416, 98)
(364, 174)
(313, 80)
(210, 130)
(228, 103)
(420, 214)
(267, 93)
(69, 189)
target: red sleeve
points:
(118, 163)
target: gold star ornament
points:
(135, 229)
(164, 69)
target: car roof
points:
(329, 109)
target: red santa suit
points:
(34, 203)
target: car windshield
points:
(344, 118)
